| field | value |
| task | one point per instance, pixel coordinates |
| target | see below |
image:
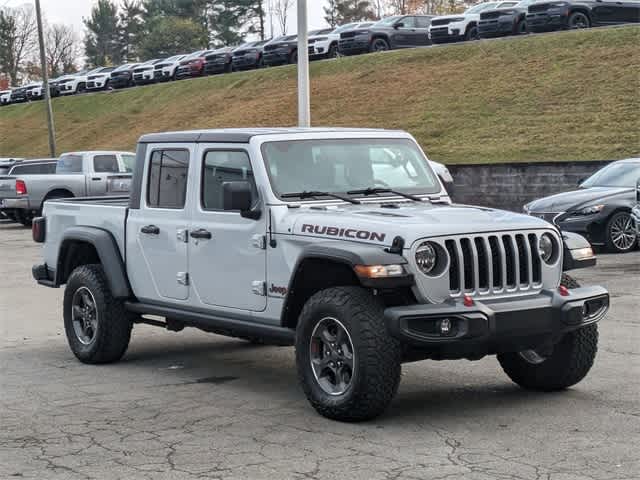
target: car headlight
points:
(526, 209)
(547, 248)
(426, 257)
(591, 210)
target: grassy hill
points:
(565, 96)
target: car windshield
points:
(323, 31)
(342, 165)
(388, 21)
(480, 7)
(619, 174)
(342, 28)
(174, 58)
(524, 3)
(194, 55)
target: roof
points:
(240, 135)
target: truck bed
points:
(108, 213)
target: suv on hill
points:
(564, 14)
(219, 61)
(462, 26)
(100, 79)
(401, 31)
(122, 77)
(165, 70)
(5, 97)
(341, 242)
(501, 21)
(144, 73)
(249, 55)
(281, 51)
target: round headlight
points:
(545, 247)
(426, 257)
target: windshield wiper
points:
(309, 194)
(374, 191)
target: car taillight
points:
(39, 230)
(21, 187)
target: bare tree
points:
(63, 49)
(18, 39)
(281, 11)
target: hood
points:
(567, 201)
(371, 223)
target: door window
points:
(222, 166)
(105, 164)
(34, 169)
(409, 22)
(167, 183)
(423, 22)
(69, 164)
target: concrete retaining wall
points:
(511, 185)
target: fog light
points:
(445, 326)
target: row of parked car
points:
(484, 20)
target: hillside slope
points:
(564, 96)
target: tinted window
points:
(105, 164)
(69, 164)
(129, 162)
(423, 22)
(408, 22)
(167, 186)
(220, 167)
(33, 169)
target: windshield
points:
(524, 3)
(342, 165)
(129, 162)
(615, 175)
(342, 28)
(388, 21)
(481, 6)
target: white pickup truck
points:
(77, 174)
(341, 242)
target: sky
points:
(71, 12)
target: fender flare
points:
(108, 252)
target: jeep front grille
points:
(493, 263)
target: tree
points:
(62, 50)
(102, 42)
(167, 36)
(229, 19)
(18, 40)
(339, 12)
(281, 10)
(130, 29)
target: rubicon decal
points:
(344, 232)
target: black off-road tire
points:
(569, 362)
(578, 20)
(521, 28)
(114, 323)
(472, 33)
(377, 363)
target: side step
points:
(230, 327)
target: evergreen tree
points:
(229, 19)
(102, 41)
(130, 29)
(170, 35)
(339, 12)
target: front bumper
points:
(245, 62)
(142, 78)
(546, 21)
(276, 57)
(445, 34)
(496, 28)
(353, 46)
(216, 66)
(500, 325)
(97, 84)
(120, 82)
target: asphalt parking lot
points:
(193, 405)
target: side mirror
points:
(398, 25)
(238, 196)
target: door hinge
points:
(182, 278)
(182, 235)
(259, 287)
(259, 241)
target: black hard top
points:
(236, 135)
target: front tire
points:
(578, 20)
(472, 33)
(97, 326)
(348, 365)
(568, 363)
(621, 233)
(379, 45)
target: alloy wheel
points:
(579, 21)
(84, 315)
(623, 234)
(332, 356)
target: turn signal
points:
(468, 301)
(379, 271)
(564, 291)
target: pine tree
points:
(102, 45)
(339, 12)
(130, 29)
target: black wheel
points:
(578, 20)
(521, 28)
(97, 326)
(82, 88)
(333, 51)
(566, 364)
(348, 365)
(24, 218)
(379, 45)
(621, 233)
(293, 58)
(472, 33)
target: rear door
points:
(101, 167)
(227, 256)
(421, 36)
(157, 232)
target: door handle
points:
(150, 230)
(96, 179)
(201, 234)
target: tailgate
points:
(118, 184)
(7, 187)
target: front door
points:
(404, 35)
(157, 231)
(227, 255)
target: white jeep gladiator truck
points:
(322, 239)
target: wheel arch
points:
(582, 9)
(57, 192)
(90, 245)
(326, 264)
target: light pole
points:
(45, 83)
(304, 109)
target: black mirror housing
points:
(398, 25)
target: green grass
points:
(566, 96)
